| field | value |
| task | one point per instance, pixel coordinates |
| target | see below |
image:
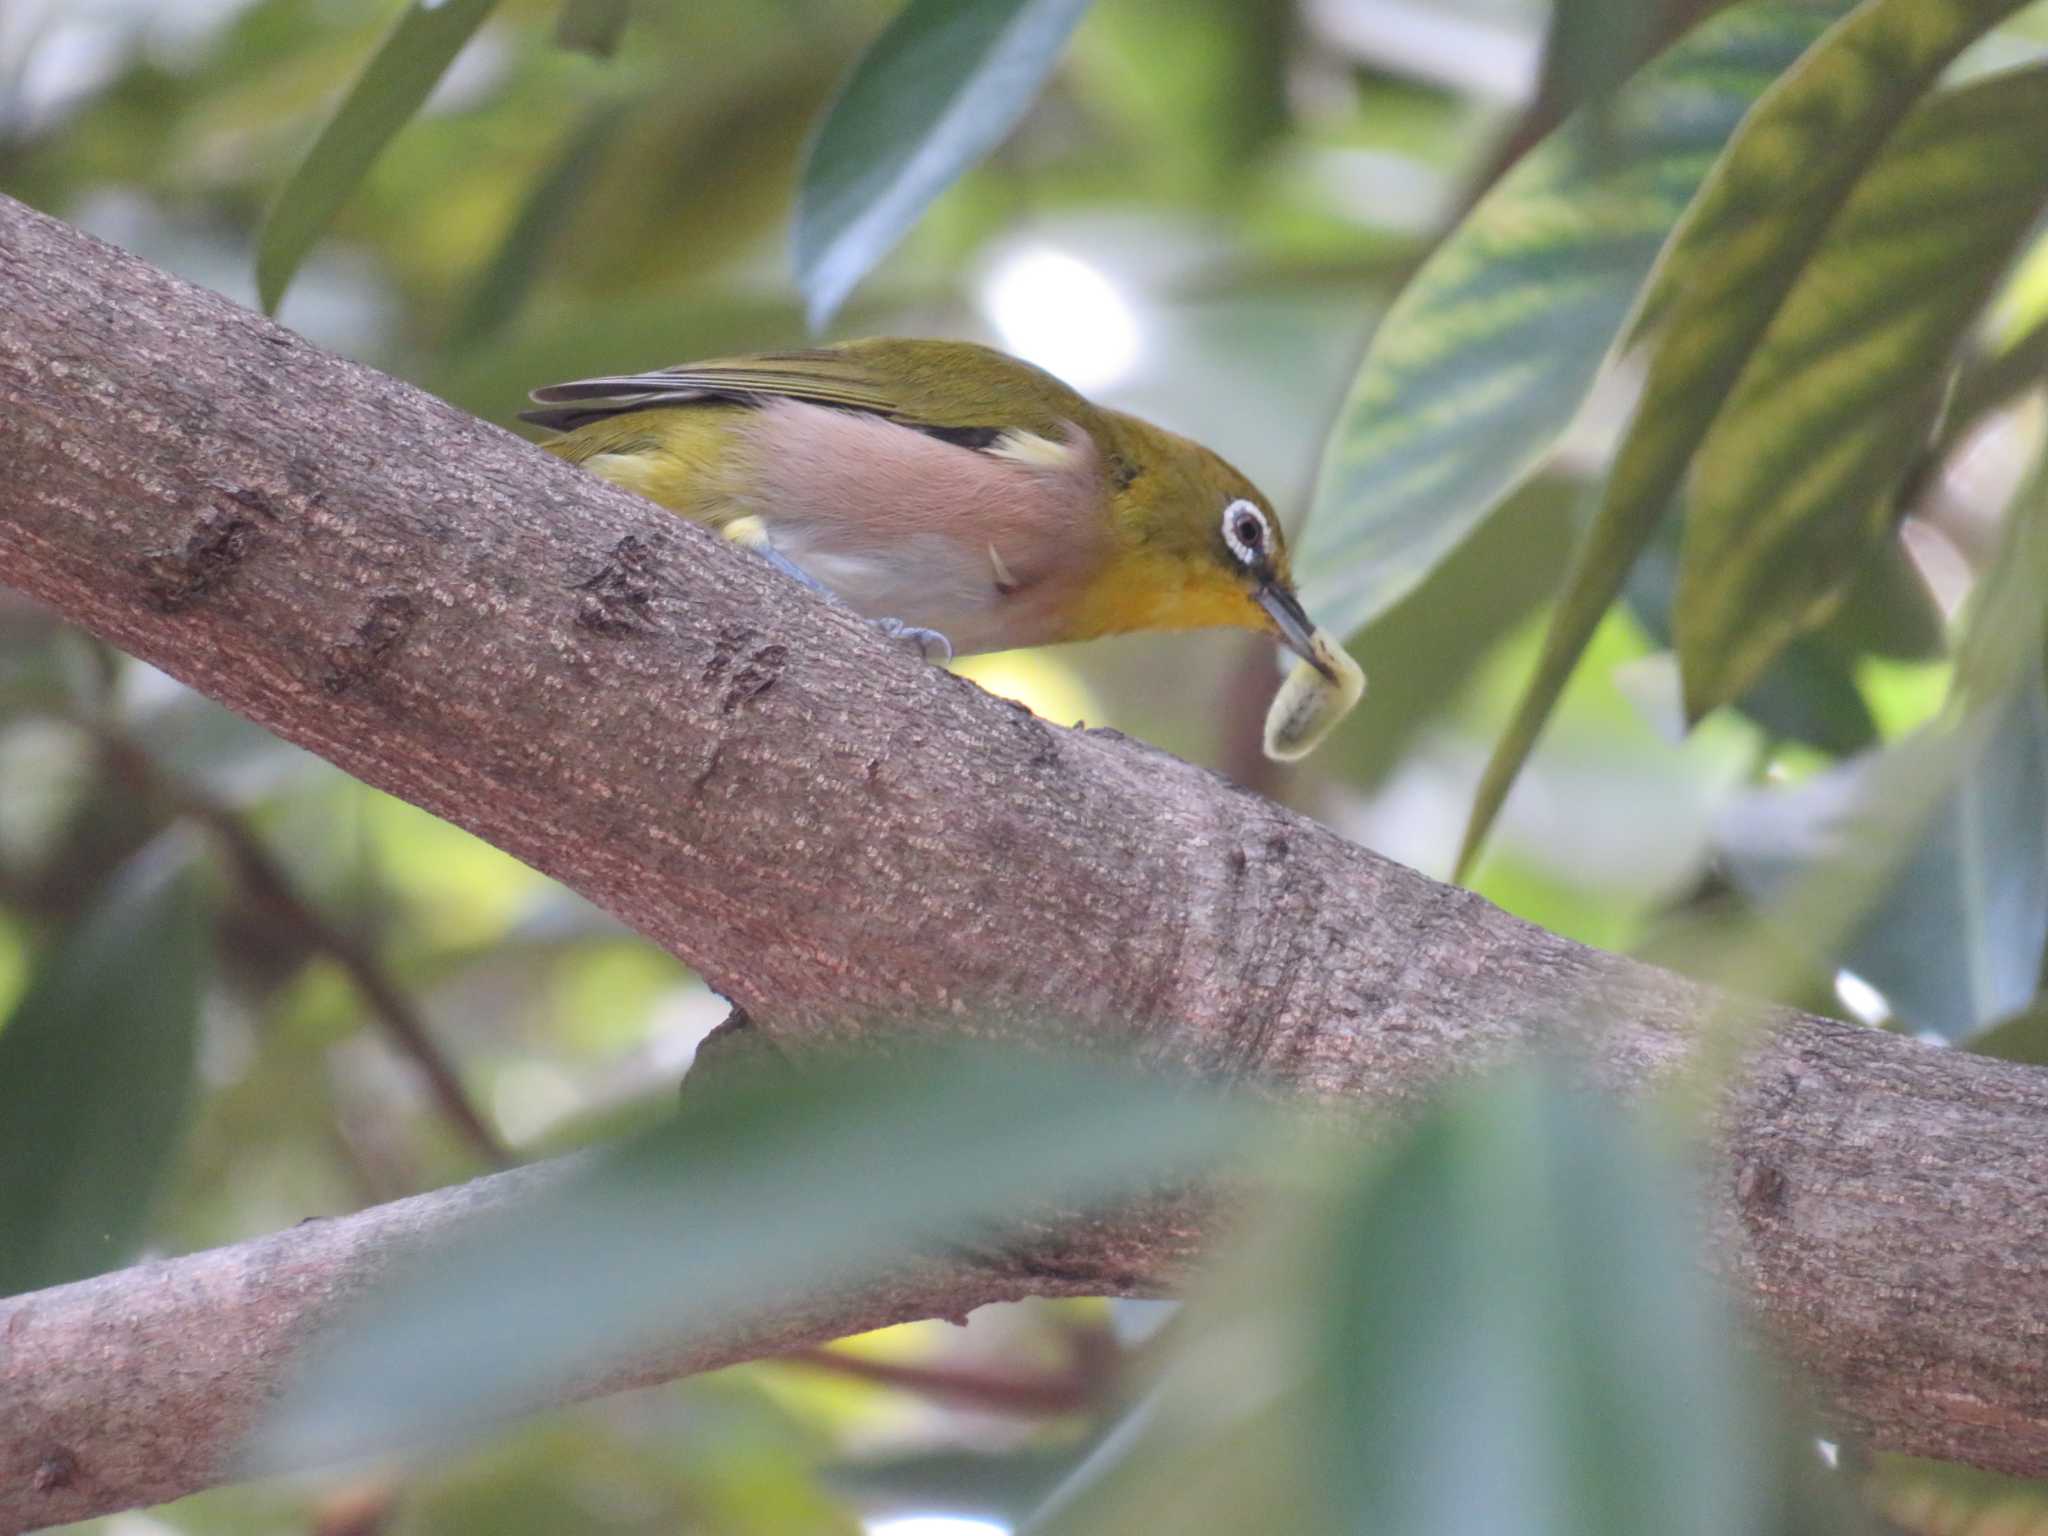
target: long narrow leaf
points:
(1793, 484)
(935, 93)
(95, 1073)
(769, 1184)
(1489, 351)
(1518, 1337)
(1952, 932)
(1736, 254)
(398, 79)
(510, 276)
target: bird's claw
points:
(931, 645)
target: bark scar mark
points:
(58, 1469)
(725, 650)
(174, 579)
(754, 677)
(248, 498)
(1760, 1189)
(619, 600)
(367, 651)
(1044, 745)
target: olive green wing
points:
(968, 394)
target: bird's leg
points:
(750, 532)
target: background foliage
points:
(1686, 489)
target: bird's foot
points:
(931, 645)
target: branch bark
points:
(832, 832)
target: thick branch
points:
(831, 831)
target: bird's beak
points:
(1286, 612)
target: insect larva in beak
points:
(1309, 705)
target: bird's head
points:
(1198, 545)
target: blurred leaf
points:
(592, 26)
(1507, 1328)
(1215, 1450)
(1794, 482)
(96, 1069)
(1888, 610)
(939, 89)
(1937, 1498)
(1808, 695)
(392, 87)
(1487, 355)
(1953, 931)
(1716, 937)
(1519, 1336)
(1991, 380)
(2006, 622)
(1738, 251)
(1443, 630)
(707, 1456)
(861, 1166)
(502, 288)
(2022, 1037)
(1591, 48)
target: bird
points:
(948, 492)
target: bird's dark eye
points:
(1245, 531)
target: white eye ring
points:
(1249, 551)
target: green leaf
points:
(96, 1069)
(1502, 1324)
(1946, 1498)
(509, 278)
(1518, 1336)
(1489, 352)
(392, 87)
(1954, 918)
(938, 90)
(1794, 482)
(777, 1182)
(592, 26)
(2007, 616)
(2021, 1037)
(1809, 694)
(1740, 248)
(1591, 48)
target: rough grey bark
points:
(831, 832)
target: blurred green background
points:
(1202, 219)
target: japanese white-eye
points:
(948, 490)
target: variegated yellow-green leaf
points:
(1738, 251)
(1794, 481)
(1488, 353)
(398, 79)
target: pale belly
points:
(928, 582)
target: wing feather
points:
(822, 378)
(965, 394)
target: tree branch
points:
(832, 833)
(142, 1385)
